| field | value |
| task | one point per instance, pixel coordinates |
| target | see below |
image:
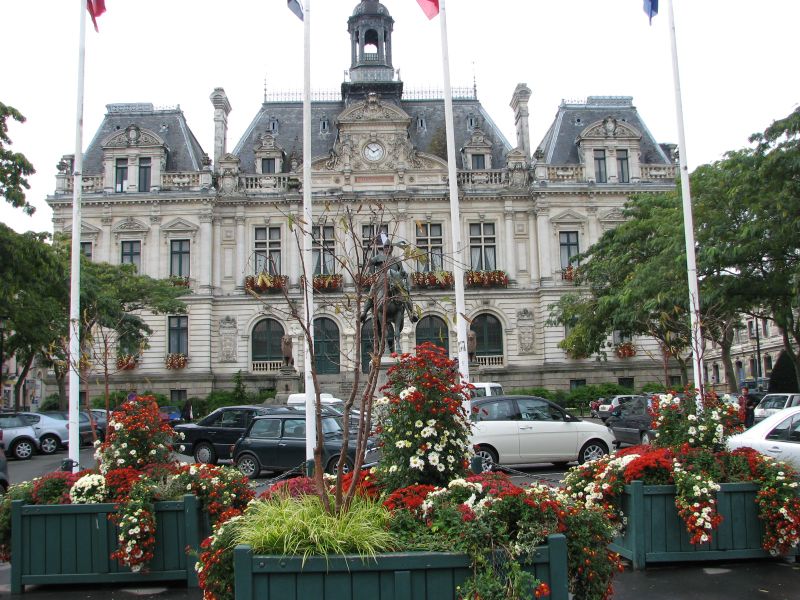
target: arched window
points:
(326, 346)
(367, 340)
(434, 330)
(266, 340)
(489, 338)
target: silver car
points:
(52, 433)
(18, 438)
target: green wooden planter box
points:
(396, 576)
(656, 533)
(72, 543)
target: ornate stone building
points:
(153, 197)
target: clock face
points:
(373, 151)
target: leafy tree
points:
(782, 378)
(14, 167)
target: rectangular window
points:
(623, 174)
(482, 249)
(715, 373)
(753, 372)
(177, 397)
(568, 242)
(764, 327)
(86, 249)
(144, 174)
(626, 382)
(600, 166)
(178, 335)
(179, 258)
(478, 162)
(369, 239)
(429, 242)
(675, 381)
(324, 250)
(574, 384)
(267, 165)
(767, 365)
(751, 329)
(268, 250)
(121, 175)
(132, 254)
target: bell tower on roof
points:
(371, 71)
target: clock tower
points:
(371, 70)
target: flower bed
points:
(74, 543)
(417, 575)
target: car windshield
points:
(7, 421)
(773, 402)
(331, 425)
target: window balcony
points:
(490, 360)
(266, 366)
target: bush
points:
(219, 398)
(50, 403)
(115, 399)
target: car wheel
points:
(592, 450)
(488, 456)
(647, 439)
(248, 465)
(22, 449)
(204, 453)
(333, 464)
(49, 444)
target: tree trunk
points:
(21, 382)
(725, 344)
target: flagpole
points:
(311, 423)
(455, 219)
(75, 264)
(688, 219)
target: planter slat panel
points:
(283, 587)
(72, 543)
(312, 586)
(337, 586)
(366, 586)
(656, 533)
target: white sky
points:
(737, 61)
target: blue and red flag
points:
(651, 8)
(95, 8)
(296, 8)
(429, 7)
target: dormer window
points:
(324, 125)
(267, 165)
(421, 125)
(478, 162)
(144, 173)
(623, 168)
(273, 125)
(121, 175)
(472, 122)
(600, 175)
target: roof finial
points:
(265, 87)
(474, 81)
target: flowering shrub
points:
(89, 489)
(499, 525)
(688, 453)
(433, 279)
(53, 488)
(423, 427)
(486, 279)
(176, 360)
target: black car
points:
(277, 442)
(212, 437)
(4, 482)
(632, 422)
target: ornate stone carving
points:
(133, 135)
(525, 331)
(227, 339)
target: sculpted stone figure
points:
(472, 345)
(286, 351)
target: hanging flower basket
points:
(176, 360)
(433, 280)
(568, 274)
(364, 281)
(126, 362)
(328, 283)
(179, 281)
(265, 283)
(625, 350)
(489, 279)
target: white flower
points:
(393, 469)
(416, 462)
(418, 424)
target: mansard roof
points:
(289, 127)
(559, 145)
(169, 125)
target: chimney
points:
(519, 104)
(221, 109)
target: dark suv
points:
(277, 442)
(212, 437)
(4, 481)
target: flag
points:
(651, 8)
(429, 7)
(296, 8)
(95, 8)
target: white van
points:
(299, 400)
(487, 388)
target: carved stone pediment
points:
(610, 127)
(373, 109)
(88, 231)
(478, 141)
(614, 215)
(568, 217)
(266, 142)
(130, 226)
(178, 227)
(133, 135)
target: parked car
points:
(4, 480)
(486, 388)
(631, 422)
(778, 436)
(51, 433)
(772, 403)
(526, 429)
(277, 442)
(18, 438)
(84, 425)
(169, 414)
(213, 436)
(604, 410)
(101, 423)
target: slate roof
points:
(558, 146)
(289, 133)
(184, 151)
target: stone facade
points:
(153, 197)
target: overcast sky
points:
(737, 60)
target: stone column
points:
(216, 256)
(241, 256)
(222, 107)
(105, 252)
(545, 239)
(533, 247)
(155, 259)
(593, 229)
(206, 243)
(511, 262)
